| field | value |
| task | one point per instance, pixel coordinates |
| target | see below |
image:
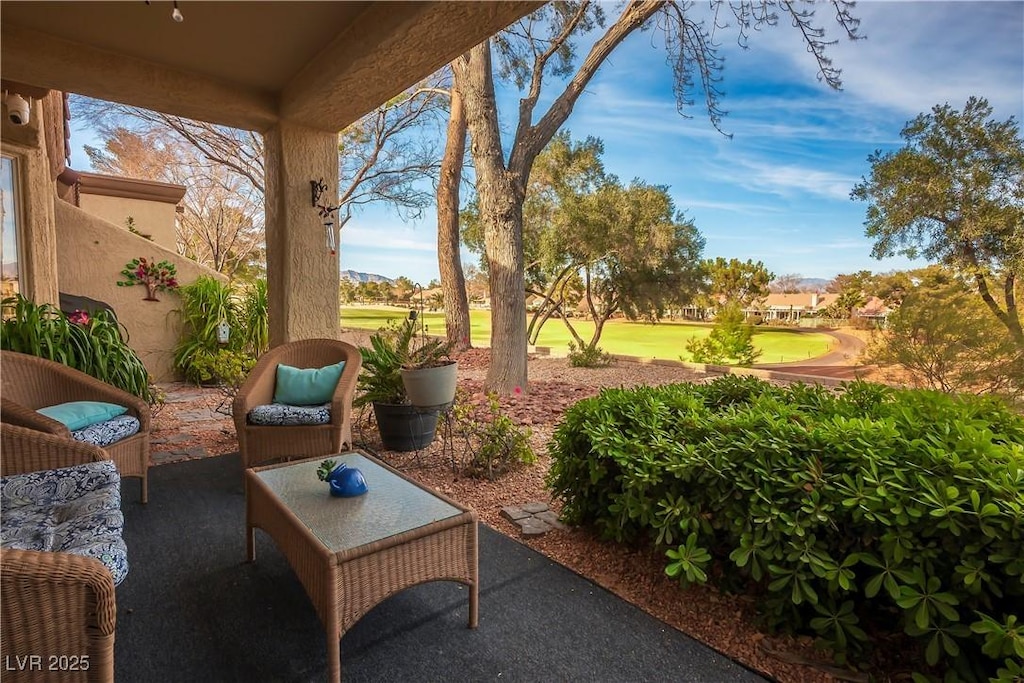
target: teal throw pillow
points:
(81, 414)
(306, 387)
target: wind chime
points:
(318, 187)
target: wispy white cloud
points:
(387, 239)
(740, 207)
(918, 54)
(785, 179)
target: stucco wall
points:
(151, 218)
(90, 256)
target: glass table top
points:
(391, 506)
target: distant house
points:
(152, 206)
(875, 309)
(791, 307)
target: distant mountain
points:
(810, 284)
(356, 276)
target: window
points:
(9, 255)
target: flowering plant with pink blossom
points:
(79, 317)
(155, 276)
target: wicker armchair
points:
(28, 383)
(53, 603)
(261, 444)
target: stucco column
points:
(302, 273)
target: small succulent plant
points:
(325, 469)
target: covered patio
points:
(193, 609)
(294, 72)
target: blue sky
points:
(778, 190)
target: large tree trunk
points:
(500, 196)
(501, 190)
(449, 260)
(504, 249)
(1009, 317)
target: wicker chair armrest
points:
(341, 402)
(13, 413)
(43, 591)
(258, 387)
(26, 450)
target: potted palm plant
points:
(402, 425)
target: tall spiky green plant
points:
(392, 348)
(94, 345)
(204, 304)
(255, 320)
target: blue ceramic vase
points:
(346, 482)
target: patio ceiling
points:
(243, 64)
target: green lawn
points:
(663, 340)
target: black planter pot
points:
(404, 427)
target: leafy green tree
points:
(562, 176)
(403, 288)
(543, 46)
(891, 287)
(944, 338)
(735, 282)
(369, 291)
(731, 341)
(591, 241)
(848, 299)
(861, 281)
(636, 254)
(348, 290)
(954, 193)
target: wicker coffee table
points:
(352, 553)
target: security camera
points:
(17, 109)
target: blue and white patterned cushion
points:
(105, 433)
(281, 415)
(59, 486)
(73, 509)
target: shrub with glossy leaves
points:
(847, 513)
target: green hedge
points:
(848, 513)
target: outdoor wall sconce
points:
(175, 13)
(317, 189)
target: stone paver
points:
(533, 519)
(172, 439)
(513, 513)
(164, 457)
(201, 415)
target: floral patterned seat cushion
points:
(283, 415)
(73, 509)
(110, 431)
